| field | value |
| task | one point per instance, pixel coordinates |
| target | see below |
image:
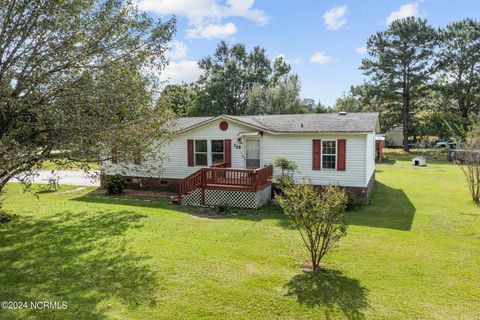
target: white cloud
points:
(320, 58)
(361, 50)
(178, 50)
(211, 31)
(335, 17)
(193, 9)
(297, 60)
(243, 8)
(405, 11)
(203, 14)
(181, 71)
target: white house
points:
(328, 148)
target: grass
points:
(413, 253)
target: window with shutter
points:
(329, 154)
(201, 152)
(218, 152)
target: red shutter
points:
(191, 161)
(316, 153)
(227, 146)
(341, 150)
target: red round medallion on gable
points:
(223, 125)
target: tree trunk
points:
(406, 120)
(462, 105)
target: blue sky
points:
(322, 39)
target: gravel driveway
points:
(67, 177)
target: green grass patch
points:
(413, 253)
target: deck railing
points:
(191, 182)
(247, 179)
(219, 165)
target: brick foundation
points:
(363, 193)
(144, 183)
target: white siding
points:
(296, 147)
(175, 164)
(370, 155)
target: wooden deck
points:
(219, 177)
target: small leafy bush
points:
(353, 201)
(287, 168)
(224, 208)
(318, 215)
(115, 184)
(5, 218)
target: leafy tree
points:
(458, 66)
(318, 216)
(232, 73)
(399, 66)
(309, 104)
(468, 158)
(178, 98)
(283, 98)
(374, 100)
(280, 70)
(348, 103)
(72, 81)
(321, 108)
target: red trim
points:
(316, 153)
(341, 154)
(190, 151)
(227, 146)
(225, 178)
(223, 125)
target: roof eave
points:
(222, 117)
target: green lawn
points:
(414, 253)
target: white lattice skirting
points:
(237, 199)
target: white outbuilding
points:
(419, 161)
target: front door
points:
(252, 154)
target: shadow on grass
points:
(269, 212)
(126, 201)
(330, 291)
(390, 208)
(79, 258)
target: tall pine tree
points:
(399, 65)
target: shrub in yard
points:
(115, 184)
(318, 215)
(4, 218)
(468, 158)
(224, 208)
(287, 167)
(353, 201)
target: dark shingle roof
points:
(187, 122)
(311, 122)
